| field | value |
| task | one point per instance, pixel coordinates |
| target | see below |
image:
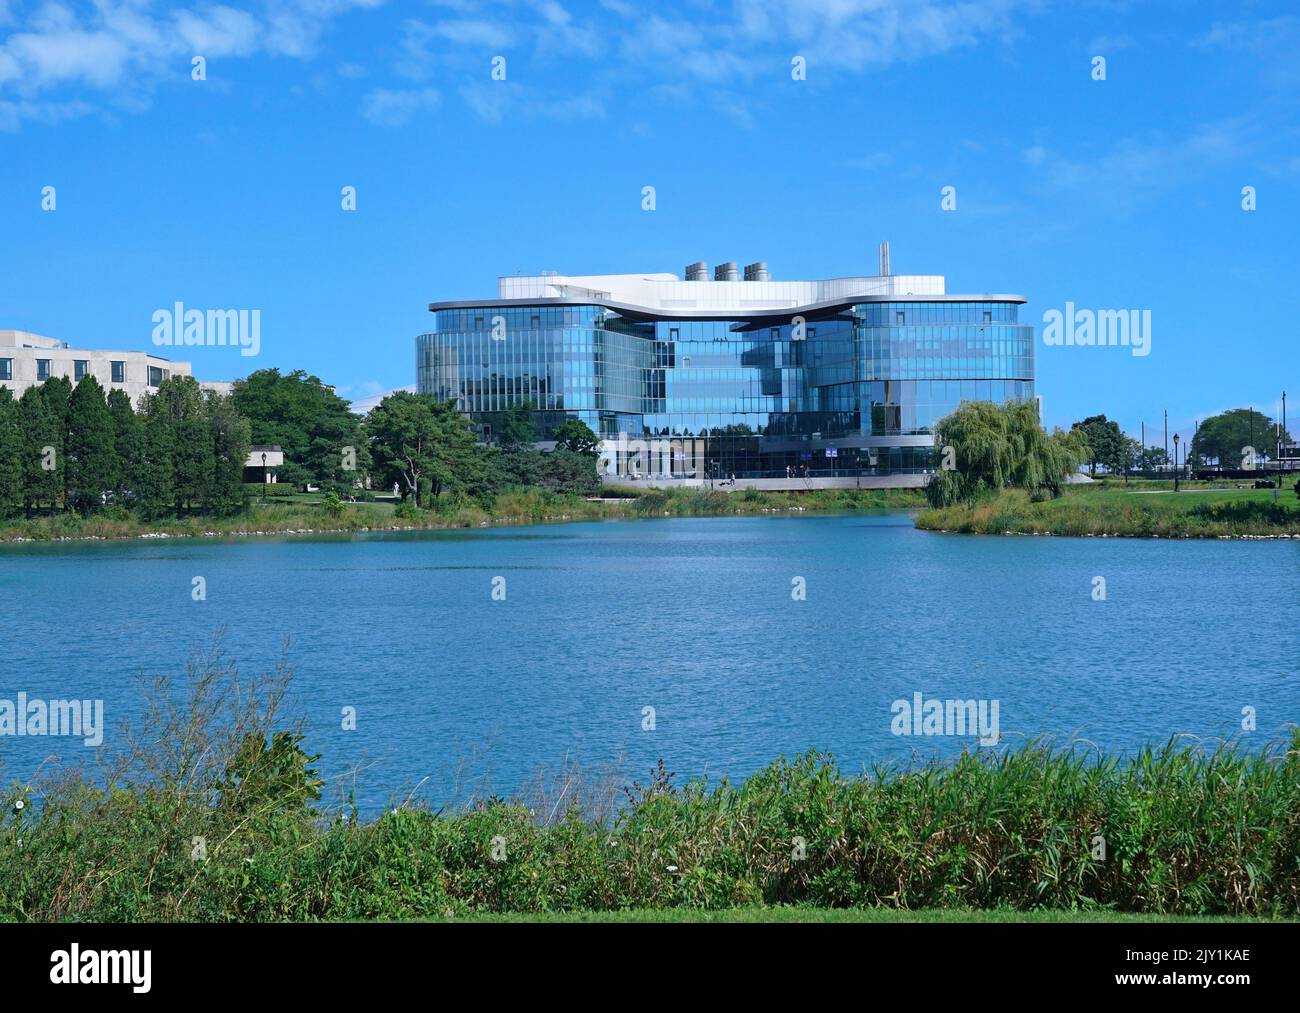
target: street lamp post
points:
(1175, 462)
(263, 476)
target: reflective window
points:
(760, 395)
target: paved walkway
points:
(777, 484)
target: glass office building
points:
(838, 377)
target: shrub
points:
(982, 448)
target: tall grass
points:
(1175, 829)
(1117, 512)
(529, 505)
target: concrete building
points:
(262, 460)
(27, 359)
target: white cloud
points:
(560, 35)
(123, 45)
(126, 46)
(475, 32)
(1251, 36)
(1109, 44)
(395, 108)
(1132, 169)
(494, 101)
(12, 114)
(1270, 44)
(364, 396)
(852, 35)
(218, 31)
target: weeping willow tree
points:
(983, 447)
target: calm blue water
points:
(692, 617)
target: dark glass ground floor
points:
(634, 450)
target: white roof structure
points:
(724, 296)
(668, 294)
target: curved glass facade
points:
(856, 390)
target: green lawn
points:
(1142, 509)
(840, 915)
(1188, 492)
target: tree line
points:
(429, 450)
(423, 446)
(79, 449)
(183, 449)
(1237, 438)
(983, 447)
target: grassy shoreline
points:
(1139, 510)
(1030, 833)
(529, 506)
(210, 810)
(1136, 510)
(792, 914)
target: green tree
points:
(90, 464)
(1039, 461)
(576, 436)
(403, 436)
(230, 434)
(1151, 458)
(57, 393)
(567, 471)
(308, 421)
(42, 450)
(517, 431)
(1107, 445)
(515, 468)
(425, 444)
(1227, 438)
(983, 447)
(154, 493)
(128, 444)
(180, 401)
(11, 455)
(460, 465)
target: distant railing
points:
(724, 474)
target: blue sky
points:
(1123, 193)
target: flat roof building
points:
(839, 376)
(27, 359)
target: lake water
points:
(691, 617)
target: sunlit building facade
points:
(842, 376)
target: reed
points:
(1179, 829)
